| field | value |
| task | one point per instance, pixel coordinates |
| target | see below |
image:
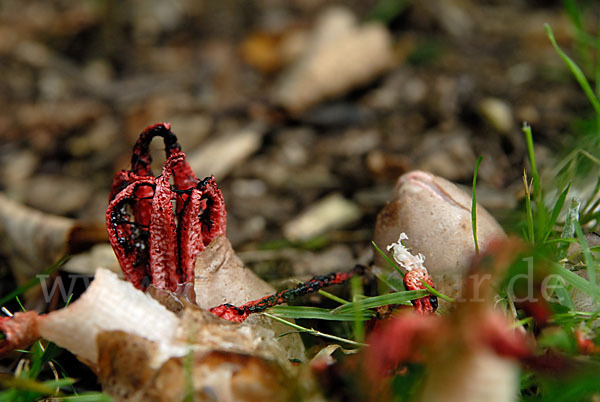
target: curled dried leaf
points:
(220, 277)
(339, 57)
(33, 240)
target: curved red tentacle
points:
(189, 233)
(128, 238)
(214, 220)
(141, 159)
(163, 230)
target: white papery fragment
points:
(404, 257)
(112, 304)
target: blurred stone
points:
(453, 16)
(54, 117)
(17, 168)
(191, 129)
(248, 188)
(33, 53)
(350, 142)
(221, 154)
(339, 57)
(521, 73)
(333, 259)
(491, 198)
(386, 165)
(54, 86)
(99, 256)
(448, 155)
(59, 195)
(98, 73)
(436, 217)
(338, 114)
(261, 50)
(99, 138)
(497, 113)
(329, 213)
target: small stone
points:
(497, 113)
(58, 194)
(448, 155)
(18, 167)
(331, 212)
(436, 217)
(99, 256)
(220, 155)
(339, 56)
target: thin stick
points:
(314, 331)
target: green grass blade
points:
(313, 331)
(333, 297)
(576, 71)
(31, 385)
(20, 304)
(530, 234)
(357, 298)
(573, 13)
(387, 10)
(575, 280)
(393, 282)
(436, 293)
(306, 312)
(61, 382)
(474, 205)
(531, 153)
(33, 281)
(383, 300)
(590, 200)
(569, 228)
(590, 263)
(388, 259)
(87, 397)
(558, 206)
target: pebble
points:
(59, 195)
(330, 213)
(449, 155)
(221, 154)
(99, 256)
(497, 113)
(339, 56)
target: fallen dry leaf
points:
(33, 240)
(339, 56)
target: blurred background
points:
(292, 105)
